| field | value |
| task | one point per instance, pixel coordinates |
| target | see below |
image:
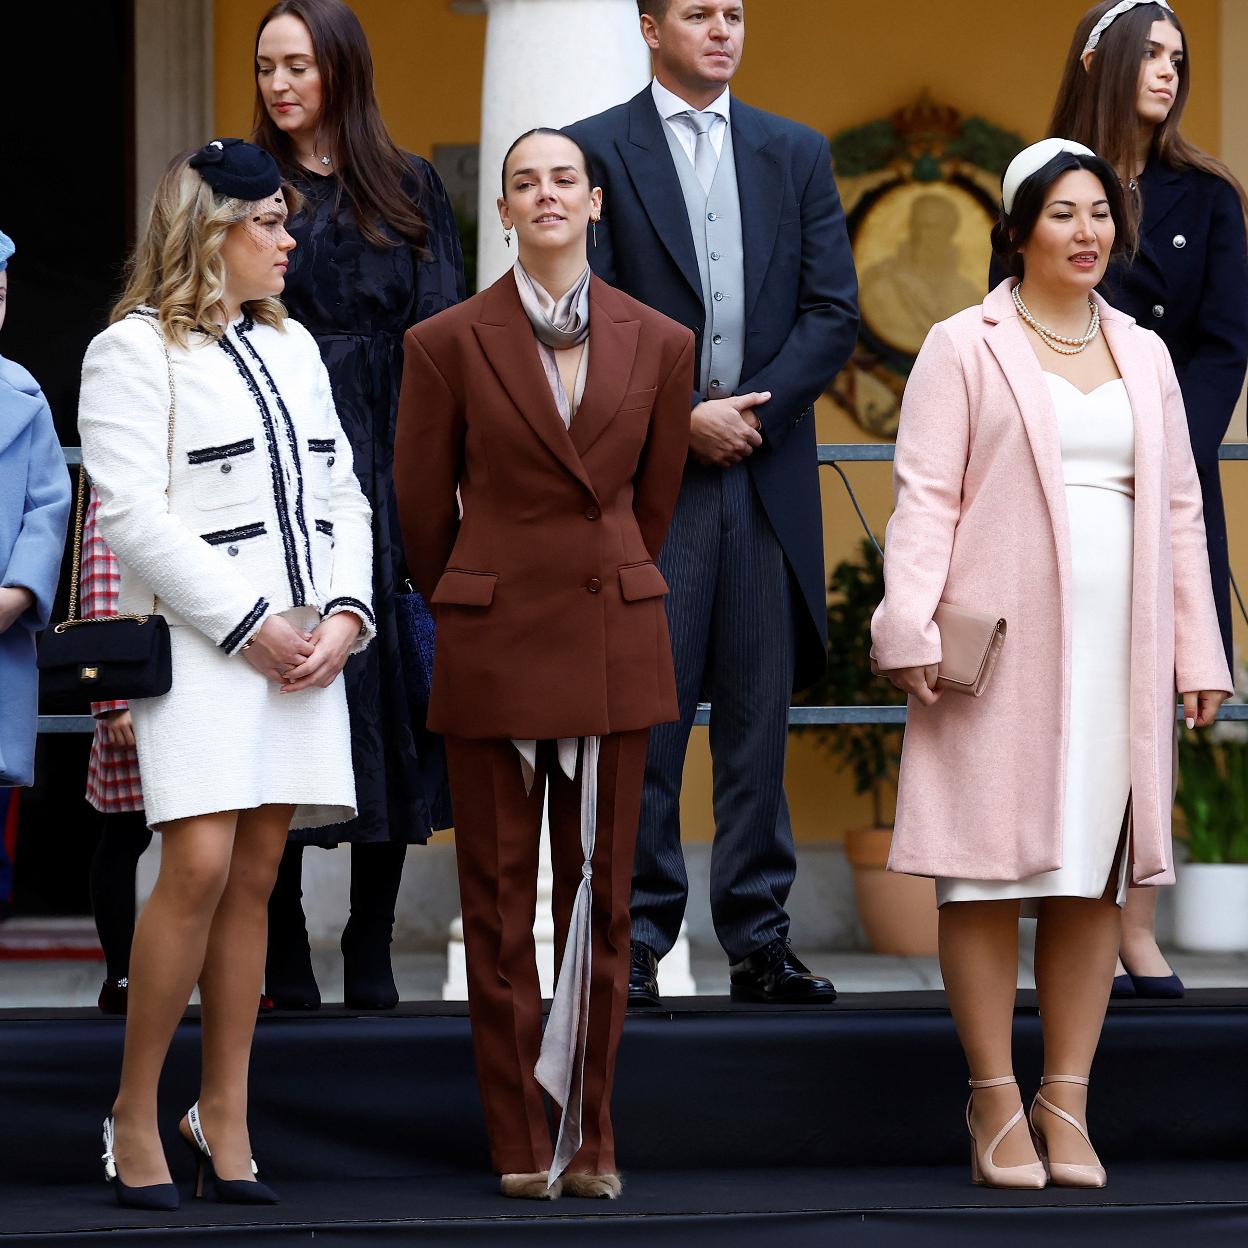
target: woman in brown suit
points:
(558, 409)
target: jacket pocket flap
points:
(465, 589)
(641, 580)
(637, 398)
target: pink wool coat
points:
(980, 521)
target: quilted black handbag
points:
(106, 658)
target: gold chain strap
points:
(79, 517)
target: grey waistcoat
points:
(715, 221)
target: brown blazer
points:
(548, 603)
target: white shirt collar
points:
(670, 104)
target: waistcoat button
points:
(719, 296)
(1180, 242)
(715, 384)
(227, 467)
(1159, 309)
(594, 585)
(714, 255)
(712, 216)
(717, 339)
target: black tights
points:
(124, 836)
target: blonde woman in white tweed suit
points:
(255, 542)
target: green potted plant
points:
(1211, 894)
(898, 912)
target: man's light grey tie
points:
(705, 160)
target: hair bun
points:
(238, 169)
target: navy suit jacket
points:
(1189, 284)
(801, 299)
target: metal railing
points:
(830, 453)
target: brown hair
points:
(374, 174)
(656, 9)
(1097, 106)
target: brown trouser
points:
(497, 831)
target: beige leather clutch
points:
(970, 642)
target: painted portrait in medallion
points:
(922, 254)
(920, 191)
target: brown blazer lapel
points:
(612, 349)
(507, 341)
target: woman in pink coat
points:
(1044, 473)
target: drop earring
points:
(593, 229)
(507, 238)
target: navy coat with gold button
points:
(548, 603)
(1189, 283)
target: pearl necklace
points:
(1051, 338)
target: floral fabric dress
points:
(357, 300)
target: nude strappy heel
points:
(1064, 1173)
(983, 1171)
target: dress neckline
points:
(1087, 394)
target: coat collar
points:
(506, 338)
(1161, 189)
(759, 159)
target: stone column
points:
(549, 63)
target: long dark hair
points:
(1097, 106)
(374, 174)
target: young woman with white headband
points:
(1127, 78)
(1043, 473)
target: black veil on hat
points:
(238, 169)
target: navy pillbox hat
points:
(237, 169)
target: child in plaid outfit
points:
(112, 788)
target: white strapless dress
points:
(1098, 466)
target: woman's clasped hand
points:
(299, 660)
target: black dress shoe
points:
(643, 976)
(775, 975)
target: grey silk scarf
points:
(559, 323)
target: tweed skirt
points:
(224, 738)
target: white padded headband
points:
(1032, 158)
(1112, 16)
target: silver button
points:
(1180, 242)
(719, 296)
(231, 550)
(1159, 309)
(714, 255)
(712, 216)
(331, 461)
(227, 467)
(717, 339)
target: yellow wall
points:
(830, 64)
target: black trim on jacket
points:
(208, 454)
(352, 604)
(235, 636)
(219, 537)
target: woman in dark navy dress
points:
(1125, 83)
(378, 251)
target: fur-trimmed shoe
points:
(594, 1186)
(531, 1186)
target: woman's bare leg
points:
(979, 962)
(1076, 944)
(170, 938)
(1139, 936)
(229, 986)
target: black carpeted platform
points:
(731, 1121)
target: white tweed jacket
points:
(263, 511)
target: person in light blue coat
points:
(34, 509)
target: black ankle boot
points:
(289, 980)
(368, 977)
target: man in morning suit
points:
(727, 219)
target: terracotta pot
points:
(898, 912)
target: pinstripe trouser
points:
(730, 617)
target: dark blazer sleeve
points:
(428, 462)
(1212, 379)
(826, 326)
(662, 464)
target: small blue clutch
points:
(416, 638)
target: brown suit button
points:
(592, 513)
(594, 585)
